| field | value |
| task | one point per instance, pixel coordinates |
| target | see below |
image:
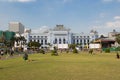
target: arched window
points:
(88, 40)
(64, 41)
(42, 42)
(80, 40)
(55, 40)
(77, 41)
(60, 41)
(38, 41)
(46, 41)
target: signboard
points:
(94, 46)
(62, 46)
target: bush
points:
(67, 51)
(42, 51)
(118, 48)
(91, 51)
(75, 50)
(25, 56)
(54, 53)
(107, 50)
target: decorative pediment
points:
(60, 28)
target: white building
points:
(61, 36)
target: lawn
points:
(66, 66)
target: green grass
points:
(63, 67)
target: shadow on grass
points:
(19, 65)
(1, 68)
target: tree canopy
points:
(118, 38)
(34, 44)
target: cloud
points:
(22, 1)
(107, 0)
(115, 24)
(111, 0)
(105, 27)
(117, 17)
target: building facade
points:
(61, 36)
(113, 34)
(16, 27)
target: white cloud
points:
(22, 1)
(107, 0)
(115, 24)
(117, 17)
(111, 0)
(107, 26)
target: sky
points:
(78, 15)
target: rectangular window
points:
(77, 41)
(46, 42)
(73, 41)
(73, 37)
(41, 42)
(81, 41)
(45, 36)
(41, 36)
(88, 40)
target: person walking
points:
(117, 55)
(25, 56)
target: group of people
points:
(3, 52)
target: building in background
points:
(26, 35)
(61, 36)
(113, 34)
(6, 39)
(6, 35)
(16, 27)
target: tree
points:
(102, 36)
(75, 50)
(34, 44)
(72, 46)
(54, 52)
(118, 38)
